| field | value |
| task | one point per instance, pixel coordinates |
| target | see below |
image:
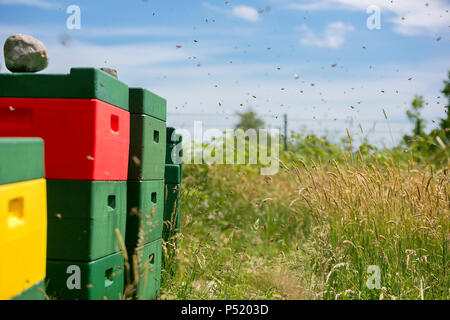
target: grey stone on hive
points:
(112, 72)
(24, 53)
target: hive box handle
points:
(109, 275)
(112, 202)
(16, 118)
(114, 123)
(151, 258)
(15, 212)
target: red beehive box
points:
(85, 139)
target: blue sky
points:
(314, 60)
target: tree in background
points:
(429, 147)
(416, 141)
(249, 120)
(445, 123)
(414, 115)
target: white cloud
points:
(130, 56)
(32, 3)
(48, 32)
(163, 32)
(246, 13)
(334, 35)
(410, 17)
(312, 6)
(212, 7)
(243, 12)
(158, 31)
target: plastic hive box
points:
(102, 279)
(149, 258)
(173, 173)
(83, 139)
(148, 135)
(23, 241)
(144, 224)
(147, 148)
(173, 141)
(82, 218)
(172, 210)
(143, 101)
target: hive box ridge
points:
(143, 101)
(21, 159)
(80, 83)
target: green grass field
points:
(312, 231)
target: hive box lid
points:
(21, 159)
(143, 101)
(80, 83)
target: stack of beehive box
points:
(105, 156)
(84, 120)
(146, 191)
(173, 174)
(23, 216)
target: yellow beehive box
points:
(23, 236)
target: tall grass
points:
(312, 231)
(396, 219)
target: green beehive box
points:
(147, 148)
(82, 218)
(149, 259)
(143, 101)
(172, 210)
(172, 137)
(144, 224)
(80, 83)
(36, 292)
(173, 141)
(173, 173)
(102, 279)
(21, 159)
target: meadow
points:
(313, 230)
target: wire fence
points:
(380, 132)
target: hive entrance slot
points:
(15, 212)
(112, 203)
(114, 123)
(109, 277)
(14, 117)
